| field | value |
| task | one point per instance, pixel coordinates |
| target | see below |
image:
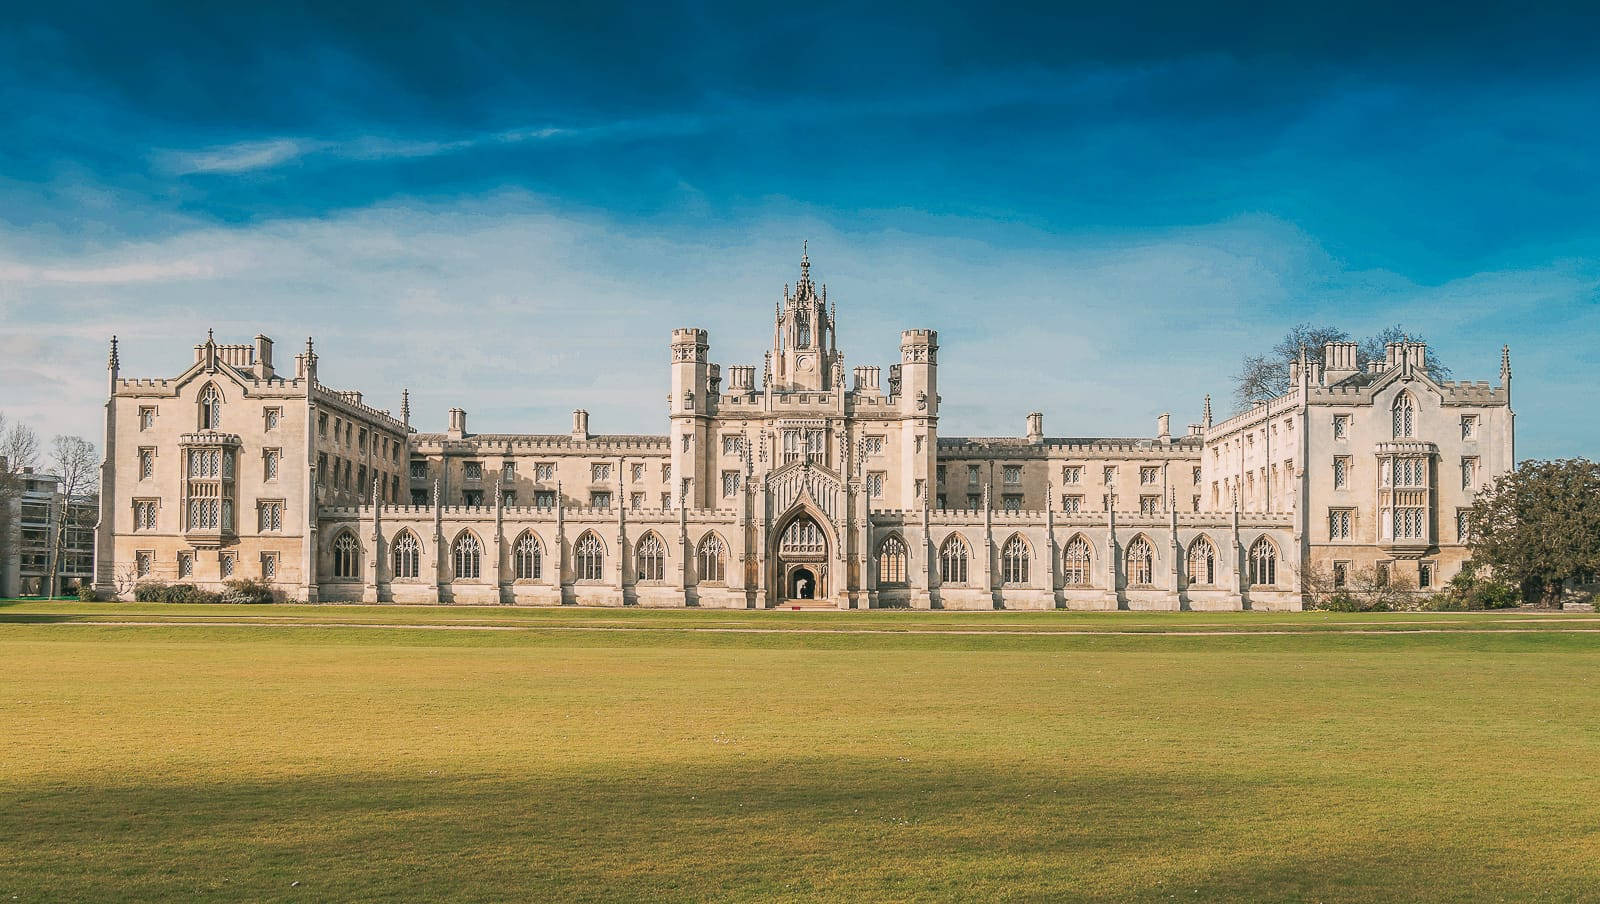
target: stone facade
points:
(809, 485)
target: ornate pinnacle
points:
(211, 338)
(405, 407)
(805, 261)
(1505, 360)
(112, 361)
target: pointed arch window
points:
(211, 407)
(407, 555)
(1141, 562)
(1075, 561)
(528, 557)
(892, 562)
(346, 557)
(467, 556)
(1263, 563)
(953, 561)
(1014, 561)
(711, 561)
(652, 558)
(1404, 414)
(589, 558)
(1202, 562)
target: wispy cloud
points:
(521, 312)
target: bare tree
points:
(1376, 346)
(1263, 377)
(19, 446)
(19, 449)
(1266, 376)
(76, 464)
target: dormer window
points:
(210, 408)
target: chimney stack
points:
(580, 424)
(1035, 427)
(458, 423)
(1164, 428)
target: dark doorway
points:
(802, 584)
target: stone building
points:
(800, 483)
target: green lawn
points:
(495, 754)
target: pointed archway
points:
(801, 555)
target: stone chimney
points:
(1339, 361)
(1164, 428)
(1035, 427)
(580, 424)
(263, 357)
(458, 423)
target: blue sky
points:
(508, 207)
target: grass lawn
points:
(318, 753)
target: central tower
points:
(805, 354)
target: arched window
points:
(407, 553)
(1405, 416)
(467, 554)
(346, 556)
(953, 561)
(802, 536)
(528, 557)
(1263, 563)
(709, 559)
(652, 556)
(1075, 560)
(1202, 562)
(589, 556)
(892, 562)
(803, 332)
(1014, 561)
(210, 408)
(1141, 562)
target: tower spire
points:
(112, 361)
(405, 407)
(1205, 415)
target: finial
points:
(805, 262)
(1505, 359)
(211, 338)
(405, 407)
(111, 361)
(1205, 415)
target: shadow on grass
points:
(831, 830)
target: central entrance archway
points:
(802, 559)
(802, 584)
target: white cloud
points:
(520, 313)
(240, 157)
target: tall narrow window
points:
(407, 555)
(802, 536)
(1341, 472)
(210, 407)
(346, 557)
(1404, 415)
(1141, 562)
(1202, 562)
(710, 560)
(528, 557)
(467, 555)
(892, 562)
(1075, 560)
(1263, 563)
(953, 561)
(1014, 561)
(590, 558)
(652, 556)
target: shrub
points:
(245, 590)
(150, 592)
(86, 594)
